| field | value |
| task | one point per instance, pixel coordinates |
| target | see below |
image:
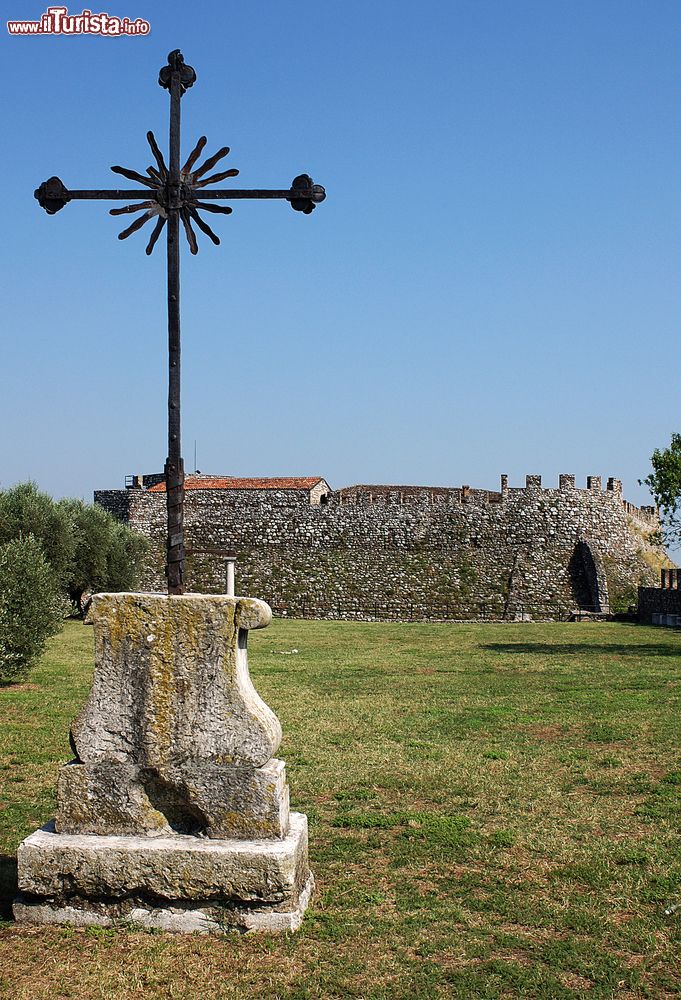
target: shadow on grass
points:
(8, 884)
(583, 648)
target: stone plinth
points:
(176, 883)
(174, 812)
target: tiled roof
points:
(233, 483)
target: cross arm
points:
(53, 195)
(303, 194)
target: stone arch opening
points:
(587, 577)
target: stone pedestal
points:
(174, 812)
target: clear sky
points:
(492, 284)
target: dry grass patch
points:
(492, 814)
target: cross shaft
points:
(174, 194)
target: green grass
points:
(494, 812)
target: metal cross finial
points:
(172, 194)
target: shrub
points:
(30, 607)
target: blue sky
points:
(491, 286)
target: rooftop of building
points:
(198, 481)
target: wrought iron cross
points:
(173, 194)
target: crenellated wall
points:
(395, 551)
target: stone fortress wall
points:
(412, 552)
(662, 605)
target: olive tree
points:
(107, 555)
(25, 511)
(86, 548)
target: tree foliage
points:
(31, 609)
(24, 511)
(107, 554)
(86, 548)
(49, 552)
(664, 483)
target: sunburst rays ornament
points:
(190, 180)
(172, 194)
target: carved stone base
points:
(176, 883)
(204, 799)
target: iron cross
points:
(173, 194)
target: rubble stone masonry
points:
(409, 552)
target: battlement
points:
(567, 481)
(367, 495)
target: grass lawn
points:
(493, 811)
